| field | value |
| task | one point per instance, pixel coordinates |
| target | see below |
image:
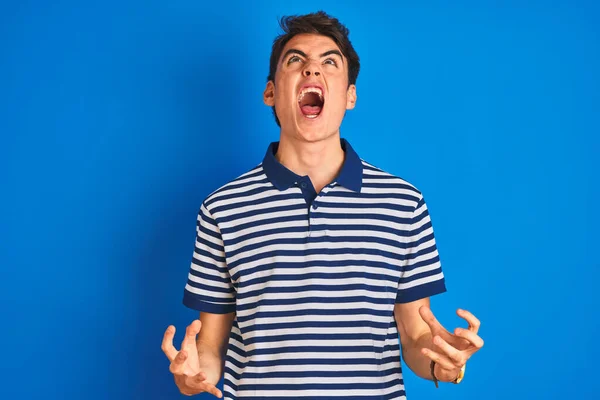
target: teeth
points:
(311, 90)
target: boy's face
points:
(310, 61)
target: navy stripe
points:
(322, 361)
(324, 374)
(392, 396)
(296, 313)
(322, 336)
(205, 276)
(308, 288)
(304, 300)
(205, 253)
(368, 206)
(367, 216)
(202, 303)
(315, 349)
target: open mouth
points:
(311, 101)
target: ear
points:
(269, 94)
(351, 97)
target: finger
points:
(471, 337)
(167, 343)
(474, 323)
(434, 325)
(458, 357)
(190, 333)
(198, 382)
(443, 361)
(178, 363)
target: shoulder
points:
(236, 187)
(378, 180)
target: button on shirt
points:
(313, 278)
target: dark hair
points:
(318, 23)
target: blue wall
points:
(117, 120)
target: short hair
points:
(316, 23)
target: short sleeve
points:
(209, 287)
(421, 274)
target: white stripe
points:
(359, 221)
(250, 230)
(262, 217)
(318, 356)
(321, 367)
(298, 394)
(323, 342)
(317, 380)
(314, 293)
(254, 198)
(209, 294)
(421, 281)
(318, 269)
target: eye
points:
(330, 61)
(294, 59)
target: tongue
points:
(311, 110)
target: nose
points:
(311, 70)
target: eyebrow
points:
(303, 54)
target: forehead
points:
(311, 43)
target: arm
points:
(424, 340)
(212, 343)
(415, 335)
(198, 366)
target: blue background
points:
(118, 118)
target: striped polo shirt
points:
(313, 278)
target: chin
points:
(316, 129)
(314, 133)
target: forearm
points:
(211, 361)
(414, 358)
(212, 343)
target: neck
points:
(321, 161)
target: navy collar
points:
(350, 175)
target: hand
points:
(185, 365)
(451, 350)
